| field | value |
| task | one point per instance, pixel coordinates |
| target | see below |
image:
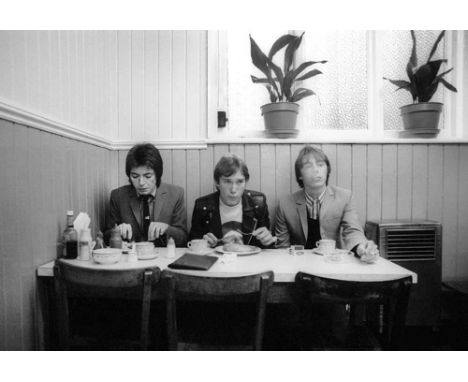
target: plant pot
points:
(422, 118)
(280, 119)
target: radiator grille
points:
(413, 244)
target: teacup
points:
(326, 246)
(198, 245)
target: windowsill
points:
(338, 136)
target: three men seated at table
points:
(148, 209)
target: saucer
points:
(201, 253)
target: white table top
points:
(284, 266)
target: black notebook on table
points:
(194, 262)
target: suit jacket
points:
(168, 207)
(206, 217)
(338, 219)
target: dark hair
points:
(228, 165)
(144, 154)
(317, 154)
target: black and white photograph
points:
(294, 188)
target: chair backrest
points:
(72, 280)
(179, 286)
(392, 294)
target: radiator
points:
(415, 245)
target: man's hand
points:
(264, 236)
(157, 229)
(233, 237)
(211, 239)
(125, 231)
(368, 252)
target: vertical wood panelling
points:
(435, 183)
(166, 156)
(118, 85)
(193, 85)
(165, 84)
(343, 166)
(374, 182)
(359, 180)
(125, 85)
(389, 181)
(179, 84)
(461, 251)
(420, 171)
(151, 85)
(450, 210)
(206, 172)
(295, 149)
(138, 85)
(38, 171)
(268, 173)
(252, 159)
(282, 177)
(404, 181)
(330, 150)
(192, 190)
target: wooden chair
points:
(184, 287)
(383, 301)
(128, 284)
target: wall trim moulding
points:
(24, 117)
(17, 115)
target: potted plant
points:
(281, 114)
(422, 116)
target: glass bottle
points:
(70, 239)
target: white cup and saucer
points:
(199, 247)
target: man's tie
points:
(146, 216)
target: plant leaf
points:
(435, 45)
(448, 85)
(258, 57)
(257, 80)
(424, 78)
(280, 44)
(443, 74)
(398, 83)
(273, 96)
(300, 94)
(413, 58)
(279, 76)
(312, 73)
(260, 60)
(290, 52)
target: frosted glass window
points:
(341, 101)
(342, 88)
(396, 50)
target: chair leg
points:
(145, 311)
(171, 315)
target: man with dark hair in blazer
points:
(148, 209)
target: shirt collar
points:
(151, 196)
(309, 198)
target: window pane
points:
(341, 101)
(396, 50)
(342, 88)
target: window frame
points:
(455, 103)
